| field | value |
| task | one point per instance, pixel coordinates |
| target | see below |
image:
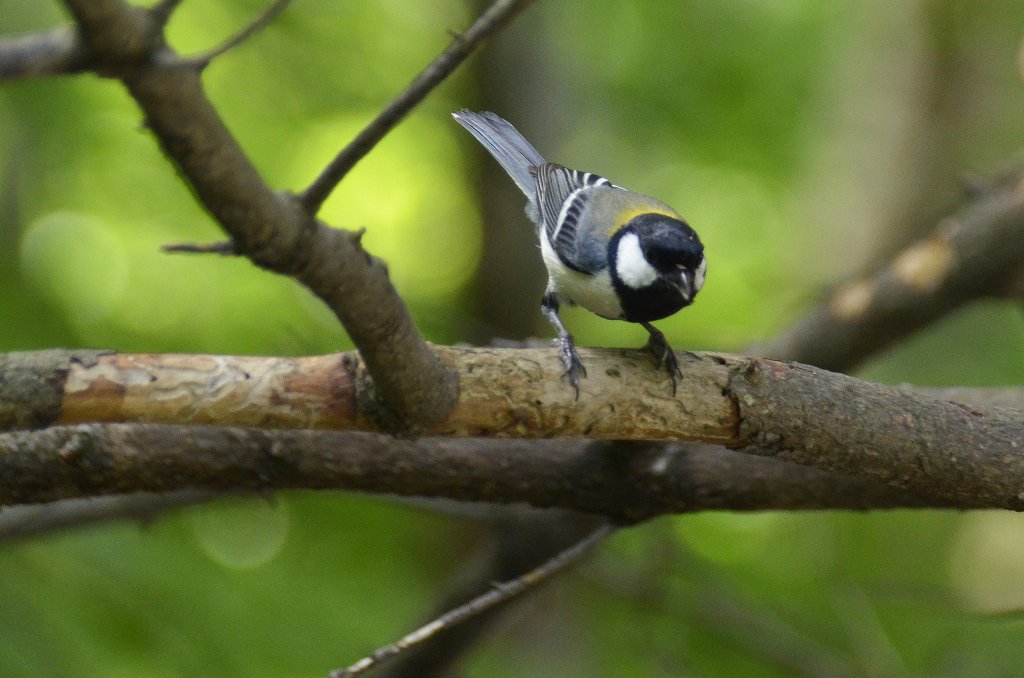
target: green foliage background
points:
(801, 138)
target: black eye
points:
(667, 259)
(658, 257)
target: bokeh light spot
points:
(726, 538)
(417, 210)
(987, 564)
(241, 533)
(77, 260)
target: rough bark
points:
(934, 448)
(628, 482)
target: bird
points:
(619, 254)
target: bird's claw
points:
(658, 345)
(572, 362)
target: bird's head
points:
(657, 250)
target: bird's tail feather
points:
(506, 144)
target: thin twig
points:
(515, 539)
(257, 24)
(222, 247)
(501, 593)
(28, 520)
(496, 16)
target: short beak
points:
(682, 282)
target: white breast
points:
(593, 292)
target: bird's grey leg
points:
(658, 345)
(566, 350)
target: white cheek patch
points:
(630, 264)
(698, 277)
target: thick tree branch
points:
(32, 385)
(975, 253)
(56, 52)
(943, 448)
(833, 422)
(625, 482)
(497, 16)
(410, 387)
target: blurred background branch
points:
(973, 254)
(54, 52)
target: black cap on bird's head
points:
(669, 244)
(658, 265)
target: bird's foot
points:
(571, 360)
(658, 345)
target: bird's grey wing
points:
(562, 196)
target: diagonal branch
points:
(976, 253)
(492, 20)
(515, 540)
(500, 593)
(408, 388)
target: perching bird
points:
(619, 254)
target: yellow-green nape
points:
(625, 216)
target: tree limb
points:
(626, 482)
(943, 448)
(794, 412)
(975, 253)
(410, 388)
